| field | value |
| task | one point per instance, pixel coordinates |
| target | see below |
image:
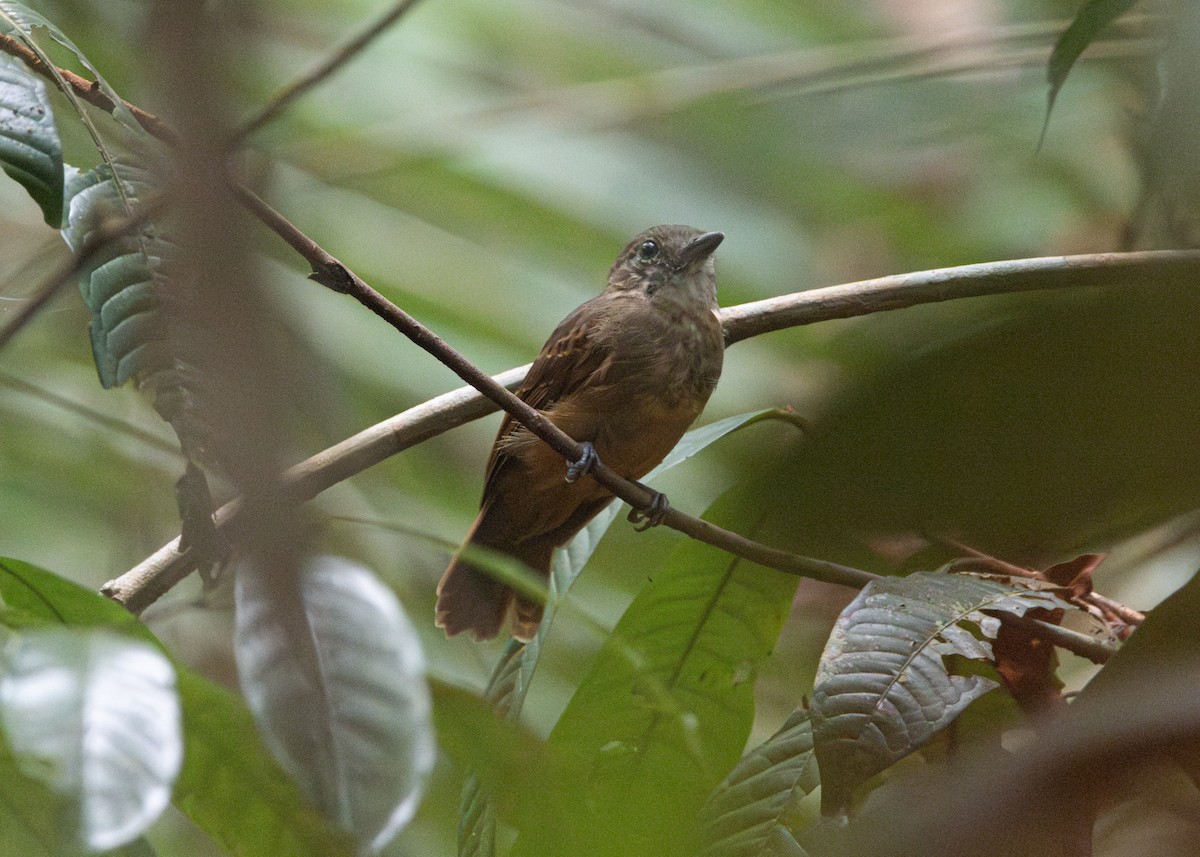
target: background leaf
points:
(334, 675)
(30, 150)
(884, 689)
(747, 814)
(230, 786)
(96, 717)
(1088, 24)
(666, 708)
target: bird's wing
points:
(573, 357)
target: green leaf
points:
(514, 672)
(570, 561)
(18, 20)
(47, 597)
(28, 814)
(235, 791)
(665, 710)
(30, 149)
(477, 809)
(333, 672)
(103, 733)
(123, 287)
(1090, 21)
(230, 786)
(120, 286)
(501, 755)
(883, 689)
(747, 814)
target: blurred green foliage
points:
(481, 164)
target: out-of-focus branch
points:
(342, 55)
(110, 230)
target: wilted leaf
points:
(95, 716)
(883, 688)
(30, 150)
(334, 674)
(746, 815)
(1027, 663)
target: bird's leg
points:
(652, 515)
(585, 463)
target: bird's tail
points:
(470, 599)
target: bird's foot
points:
(652, 515)
(585, 463)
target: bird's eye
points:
(647, 250)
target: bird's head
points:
(671, 263)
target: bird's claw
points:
(652, 515)
(585, 463)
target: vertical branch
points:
(214, 313)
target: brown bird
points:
(627, 372)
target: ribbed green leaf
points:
(30, 149)
(477, 813)
(665, 710)
(124, 286)
(229, 785)
(883, 689)
(121, 285)
(746, 815)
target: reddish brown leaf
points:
(1075, 574)
(1026, 664)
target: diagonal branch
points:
(112, 229)
(342, 55)
(87, 90)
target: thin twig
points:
(88, 90)
(108, 231)
(113, 424)
(342, 55)
(1131, 617)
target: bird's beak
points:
(701, 247)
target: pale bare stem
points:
(1145, 269)
(342, 55)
